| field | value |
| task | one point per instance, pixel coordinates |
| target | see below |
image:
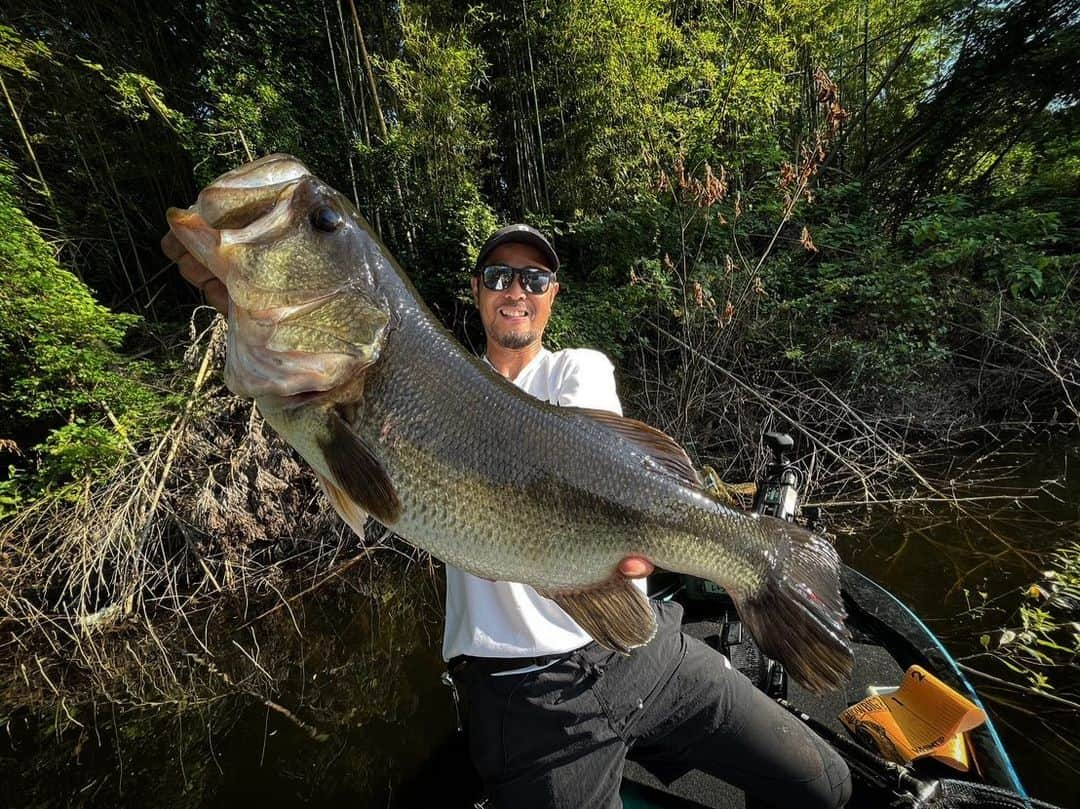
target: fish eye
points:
(326, 219)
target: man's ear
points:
(554, 289)
(474, 283)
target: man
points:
(552, 716)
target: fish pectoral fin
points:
(352, 514)
(357, 473)
(615, 613)
(660, 447)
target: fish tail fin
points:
(797, 614)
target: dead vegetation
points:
(130, 588)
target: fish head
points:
(297, 259)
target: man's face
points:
(513, 318)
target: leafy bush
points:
(889, 308)
(61, 364)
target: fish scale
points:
(399, 422)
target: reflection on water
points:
(358, 661)
(361, 664)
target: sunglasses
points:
(499, 277)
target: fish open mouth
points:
(239, 206)
(277, 238)
(238, 198)
(251, 206)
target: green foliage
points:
(95, 90)
(62, 363)
(79, 449)
(608, 280)
(440, 121)
(657, 141)
(601, 316)
(15, 51)
(437, 138)
(261, 92)
(885, 309)
(1038, 641)
(141, 97)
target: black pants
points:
(558, 738)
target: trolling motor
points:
(777, 495)
(778, 490)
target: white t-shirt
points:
(508, 619)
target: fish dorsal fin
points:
(659, 446)
(615, 613)
(358, 474)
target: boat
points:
(888, 639)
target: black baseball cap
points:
(518, 233)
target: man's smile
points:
(514, 313)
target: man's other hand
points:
(635, 567)
(195, 273)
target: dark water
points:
(364, 668)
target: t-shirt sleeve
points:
(587, 379)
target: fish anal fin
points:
(660, 447)
(615, 613)
(358, 473)
(352, 514)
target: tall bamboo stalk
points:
(30, 151)
(367, 70)
(341, 105)
(379, 116)
(536, 107)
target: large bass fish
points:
(345, 361)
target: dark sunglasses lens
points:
(498, 278)
(535, 282)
